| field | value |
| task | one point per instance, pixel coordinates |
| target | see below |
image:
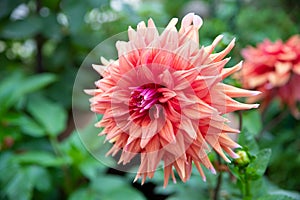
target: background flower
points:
(274, 69)
(163, 99)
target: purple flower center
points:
(144, 97)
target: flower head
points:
(274, 69)
(163, 99)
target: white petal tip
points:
(255, 105)
(89, 91)
(240, 65)
(213, 171)
(104, 61)
(235, 156)
(220, 36)
(254, 93)
(95, 66)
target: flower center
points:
(144, 97)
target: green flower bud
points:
(243, 160)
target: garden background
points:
(42, 46)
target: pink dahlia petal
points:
(190, 25)
(219, 56)
(163, 99)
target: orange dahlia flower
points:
(163, 99)
(274, 69)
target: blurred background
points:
(42, 45)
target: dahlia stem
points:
(39, 43)
(247, 187)
(219, 181)
(240, 119)
(247, 191)
(54, 144)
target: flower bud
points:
(243, 159)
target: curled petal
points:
(190, 25)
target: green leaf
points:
(75, 11)
(7, 98)
(6, 6)
(276, 196)
(111, 183)
(124, 193)
(21, 86)
(259, 165)
(22, 29)
(97, 3)
(14, 178)
(39, 177)
(52, 5)
(84, 194)
(23, 180)
(25, 123)
(248, 142)
(7, 168)
(292, 194)
(51, 28)
(74, 150)
(18, 187)
(64, 93)
(41, 158)
(36, 82)
(91, 168)
(36, 144)
(30, 127)
(115, 188)
(50, 115)
(252, 121)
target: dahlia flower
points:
(274, 69)
(163, 100)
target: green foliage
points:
(45, 159)
(20, 181)
(22, 86)
(265, 24)
(42, 156)
(6, 6)
(252, 121)
(249, 174)
(22, 29)
(51, 116)
(25, 123)
(258, 167)
(275, 196)
(183, 190)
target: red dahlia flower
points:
(274, 69)
(163, 99)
